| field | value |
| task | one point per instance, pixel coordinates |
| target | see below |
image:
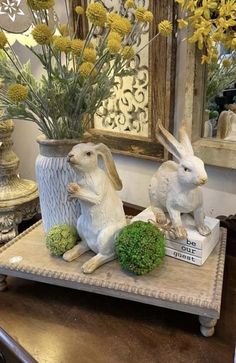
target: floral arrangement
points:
(79, 73)
(212, 23)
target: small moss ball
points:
(61, 238)
(140, 247)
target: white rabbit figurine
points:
(175, 186)
(102, 215)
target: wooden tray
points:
(175, 284)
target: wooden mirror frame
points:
(161, 89)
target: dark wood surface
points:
(59, 325)
(11, 351)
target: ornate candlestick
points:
(18, 197)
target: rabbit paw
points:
(68, 256)
(204, 230)
(161, 218)
(73, 188)
(180, 232)
(89, 266)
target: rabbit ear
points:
(106, 155)
(169, 141)
(184, 139)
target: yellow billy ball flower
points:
(129, 4)
(96, 14)
(119, 24)
(77, 46)
(165, 28)
(17, 93)
(148, 16)
(62, 44)
(90, 45)
(42, 34)
(139, 13)
(114, 36)
(89, 55)
(64, 30)
(128, 52)
(86, 68)
(40, 4)
(113, 46)
(182, 23)
(3, 40)
(79, 10)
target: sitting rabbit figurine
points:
(102, 215)
(175, 186)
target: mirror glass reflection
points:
(220, 107)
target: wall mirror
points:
(220, 104)
(210, 107)
(126, 122)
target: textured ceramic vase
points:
(53, 174)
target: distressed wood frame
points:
(161, 90)
(212, 151)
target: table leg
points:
(3, 283)
(207, 326)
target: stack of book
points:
(196, 248)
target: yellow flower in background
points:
(114, 36)
(197, 37)
(77, 46)
(89, 55)
(233, 43)
(96, 14)
(129, 4)
(113, 46)
(64, 29)
(139, 13)
(3, 40)
(218, 36)
(191, 5)
(42, 34)
(182, 23)
(165, 28)
(86, 69)
(226, 23)
(226, 63)
(227, 8)
(205, 59)
(128, 52)
(79, 10)
(148, 16)
(62, 44)
(40, 4)
(17, 93)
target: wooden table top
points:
(61, 325)
(175, 284)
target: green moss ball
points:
(61, 238)
(140, 247)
